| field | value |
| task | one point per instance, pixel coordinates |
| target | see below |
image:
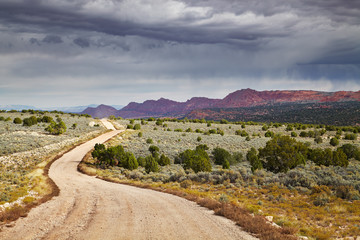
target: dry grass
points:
(14, 213)
(44, 184)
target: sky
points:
(79, 52)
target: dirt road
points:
(89, 208)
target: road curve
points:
(89, 208)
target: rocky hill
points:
(330, 113)
(238, 99)
(164, 107)
(100, 111)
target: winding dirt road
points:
(89, 208)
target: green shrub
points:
(221, 132)
(351, 151)
(347, 192)
(149, 141)
(224, 121)
(221, 155)
(350, 136)
(188, 130)
(294, 134)
(56, 128)
(137, 126)
(114, 156)
(111, 156)
(212, 131)
(98, 150)
(141, 161)
(198, 160)
(328, 157)
(282, 153)
(237, 157)
(254, 160)
(129, 126)
(30, 121)
(17, 120)
(226, 164)
(303, 134)
(140, 134)
(318, 140)
(151, 164)
(269, 134)
(154, 150)
(163, 160)
(47, 119)
(128, 161)
(201, 164)
(334, 141)
(242, 133)
(198, 139)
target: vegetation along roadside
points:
(30, 142)
(313, 193)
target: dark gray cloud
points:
(269, 44)
(34, 41)
(82, 42)
(52, 39)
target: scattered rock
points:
(9, 225)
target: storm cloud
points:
(78, 51)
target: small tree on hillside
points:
(351, 151)
(151, 164)
(198, 160)
(254, 160)
(282, 153)
(154, 151)
(129, 161)
(163, 160)
(221, 155)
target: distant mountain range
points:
(16, 107)
(74, 109)
(201, 107)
